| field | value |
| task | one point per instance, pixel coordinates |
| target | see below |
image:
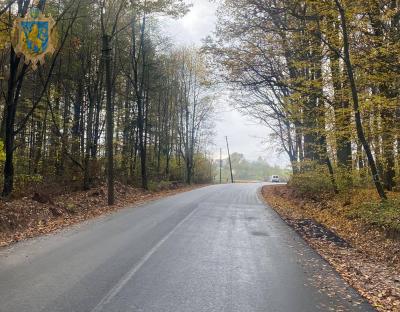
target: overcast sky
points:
(245, 136)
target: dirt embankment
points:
(40, 214)
(366, 257)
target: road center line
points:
(125, 279)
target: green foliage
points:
(361, 178)
(203, 169)
(25, 182)
(162, 185)
(315, 179)
(383, 214)
(71, 208)
(176, 170)
(153, 186)
(348, 179)
(315, 183)
(165, 185)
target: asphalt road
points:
(217, 248)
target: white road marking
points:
(125, 279)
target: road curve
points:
(217, 248)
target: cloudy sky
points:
(245, 136)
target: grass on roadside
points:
(357, 199)
(385, 215)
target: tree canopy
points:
(322, 75)
(117, 99)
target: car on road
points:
(275, 179)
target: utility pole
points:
(212, 177)
(220, 166)
(230, 163)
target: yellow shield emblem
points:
(34, 37)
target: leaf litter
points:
(41, 214)
(366, 257)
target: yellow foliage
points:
(2, 152)
(5, 31)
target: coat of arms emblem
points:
(34, 37)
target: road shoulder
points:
(375, 279)
(38, 215)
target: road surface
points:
(218, 248)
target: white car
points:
(275, 179)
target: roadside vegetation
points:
(359, 199)
(116, 109)
(55, 119)
(323, 76)
(28, 217)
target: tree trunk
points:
(109, 119)
(14, 88)
(87, 180)
(356, 108)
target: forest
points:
(324, 77)
(117, 101)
